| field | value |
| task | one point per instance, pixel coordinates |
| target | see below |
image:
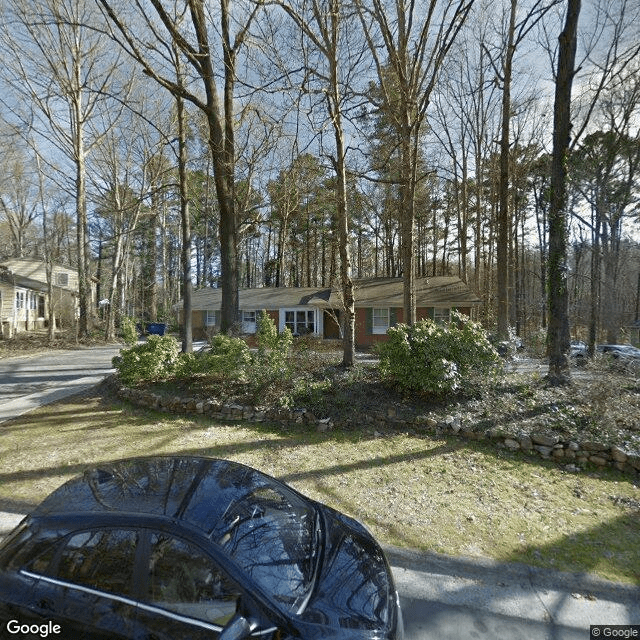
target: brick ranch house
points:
(317, 311)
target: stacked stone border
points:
(571, 455)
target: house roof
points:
(20, 281)
(28, 273)
(445, 291)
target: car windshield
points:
(270, 534)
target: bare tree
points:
(327, 28)
(415, 40)
(608, 48)
(62, 69)
(125, 173)
(185, 27)
(516, 31)
(558, 335)
(185, 217)
(19, 199)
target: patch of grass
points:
(446, 495)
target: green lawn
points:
(445, 495)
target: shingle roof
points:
(447, 291)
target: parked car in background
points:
(192, 548)
(618, 350)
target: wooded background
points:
(159, 145)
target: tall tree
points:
(516, 31)
(558, 335)
(416, 40)
(127, 170)
(19, 199)
(61, 67)
(150, 38)
(326, 28)
(606, 168)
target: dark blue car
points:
(192, 548)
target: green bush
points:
(436, 359)
(128, 330)
(272, 360)
(153, 360)
(227, 359)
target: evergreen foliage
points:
(128, 331)
(153, 360)
(428, 358)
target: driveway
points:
(28, 382)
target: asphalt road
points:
(27, 382)
(447, 598)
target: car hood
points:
(354, 595)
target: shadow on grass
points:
(19, 507)
(149, 432)
(612, 545)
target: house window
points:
(33, 301)
(19, 300)
(62, 279)
(248, 321)
(40, 306)
(212, 317)
(300, 322)
(441, 316)
(380, 321)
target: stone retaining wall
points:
(569, 454)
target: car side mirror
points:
(238, 628)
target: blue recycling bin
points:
(156, 328)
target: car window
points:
(28, 551)
(43, 552)
(270, 534)
(184, 579)
(101, 559)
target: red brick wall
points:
(364, 339)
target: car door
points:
(185, 594)
(25, 557)
(88, 585)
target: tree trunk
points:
(407, 220)
(558, 336)
(502, 245)
(185, 225)
(594, 306)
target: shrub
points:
(272, 360)
(155, 359)
(227, 358)
(436, 359)
(128, 330)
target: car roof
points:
(196, 490)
